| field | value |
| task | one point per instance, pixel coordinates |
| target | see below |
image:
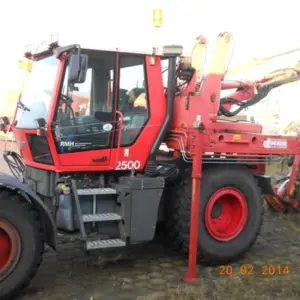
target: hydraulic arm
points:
(250, 93)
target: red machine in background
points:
(104, 175)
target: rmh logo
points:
(67, 143)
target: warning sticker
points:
(275, 144)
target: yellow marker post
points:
(26, 66)
(198, 56)
(220, 56)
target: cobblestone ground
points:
(269, 270)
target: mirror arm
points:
(41, 126)
(61, 50)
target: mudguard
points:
(264, 183)
(12, 183)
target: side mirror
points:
(78, 67)
(41, 126)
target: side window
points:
(84, 115)
(133, 102)
(80, 95)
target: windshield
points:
(37, 92)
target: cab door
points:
(142, 106)
(132, 101)
(86, 115)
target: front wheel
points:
(231, 213)
(21, 244)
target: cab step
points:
(101, 217)
(89, 222)
(96, 191)
(104, 244)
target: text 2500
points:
(128, 165)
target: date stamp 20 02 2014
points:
(258, 270)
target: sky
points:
(259, 28)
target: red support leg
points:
(194, 223)
(291, 184)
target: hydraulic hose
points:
(15, 164)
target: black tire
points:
(25, 220)
(214, 179)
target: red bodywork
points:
(195, 128)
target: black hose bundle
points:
(244, 104)
(262, 93)
(15, 164)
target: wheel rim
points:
(226, 214)
(10, 248)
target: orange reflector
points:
(236, 137)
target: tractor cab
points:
(84, 109)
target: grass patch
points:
(277, 168)
(235, 288)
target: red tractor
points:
(100, 170)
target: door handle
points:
(99, 159)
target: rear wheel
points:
(231, 213)
(21, 243)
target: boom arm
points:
(247, 93)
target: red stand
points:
(191, 276)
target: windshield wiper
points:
(22, 106)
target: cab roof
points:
(121, 50)
(93, 50)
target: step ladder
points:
(98, 243)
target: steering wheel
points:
(67, 100)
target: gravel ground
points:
(270, 270)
